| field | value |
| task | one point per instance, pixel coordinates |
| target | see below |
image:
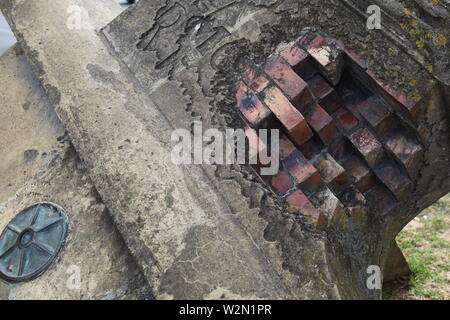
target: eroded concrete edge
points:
(72, 110)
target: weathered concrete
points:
(188, 57)
(39, 164)
(176, 224)
(421, 28)
(397, 267)
(208, 232)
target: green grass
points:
(426, 246)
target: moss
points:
(426, 245)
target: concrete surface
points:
(7, 38)
(177, 226)
(39, 164)
(202, 232)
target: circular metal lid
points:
(31, 241)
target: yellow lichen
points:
(440, 40)
(292, 209)
(403, 26)
(429, 67)
(434, 2)
(413, 83)
(407, 11)
(413, 22)
(429, 35)
(390, 51)
(420, 43)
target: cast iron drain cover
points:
(31, 241)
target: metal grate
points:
(31, 241)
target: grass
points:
(425, 242)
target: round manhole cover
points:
(31, 241)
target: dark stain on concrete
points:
(103, 76)
(30, 155)
(53, 93)
(26, 105)
(169, 198)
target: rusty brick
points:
(332, 172)
(286, 147)
(322, 123)
(393, 178)
(328, 167)
(299, 167)
(304, 173)
(407, 106)
(312, 147)
(294, 87)
(355, 61)
(368, 146)
(297, 199)
(282, 182)
(294, 55)
(414, 105)
(329, 57)
(341, 182)
(331, 102)
(311, 40)
(338, 43)
(327, 97)
(407, 151)
(352, 59)
(356, 168)
(352, 93)
(340, 148)
(256, 145)
(356, 205)
(353, 109)
(306, 69)
(289, 116)
(352, 197)
(378, 116)
(358, 214)
(345, 119)
(312, 184)
(299, 203)
(255, 79)
(319, 86)
(329, 205)
(251, 107)
(381, 199)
